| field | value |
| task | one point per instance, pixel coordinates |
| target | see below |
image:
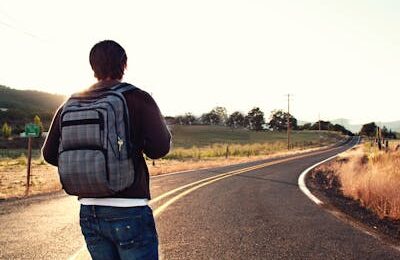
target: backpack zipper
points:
(117, 154)
(125, 114)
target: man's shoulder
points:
(138, 95)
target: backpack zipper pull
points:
(120, 143)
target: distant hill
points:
(341, 121)
(394, 125)
(346, 123)
(18, 107)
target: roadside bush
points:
(373, 178)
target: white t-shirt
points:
(114, 202)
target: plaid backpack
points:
(95, 152)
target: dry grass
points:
(45, 177)
(202, 142)
(221, 150)
(173, 165)
(372, 177)
(194, 147)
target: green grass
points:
(197, 142)
(201, 136)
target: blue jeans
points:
(119, 233)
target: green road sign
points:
(32, 130)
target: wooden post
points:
(28, 175)
(227, 152)
(288, 122)
(319, 130)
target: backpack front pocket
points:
(84, 172)
(82, 130)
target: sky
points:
(337, 59)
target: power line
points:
(16, 28)
(19, 30)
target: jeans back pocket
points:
(127, 232)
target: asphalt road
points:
(248, 211)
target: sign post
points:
(28, 174)
(31, 130)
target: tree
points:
(6, 130)
(187, 119)
(255, 119)
(38, 122)
(217, 116)
(179, 120)
(306, 126)
(222, 114)
(325, 125)
(388, 133)
(342, 129)
(368, 129)
(392, 134)
(278, 120)
(210, 118)
(235, 120)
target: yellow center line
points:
(209, 180)
(83, 254)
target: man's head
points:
(108, 60)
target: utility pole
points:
(288, 121)
(319, 129)
(319, 122)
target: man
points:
(120, 226)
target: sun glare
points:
(329, 56)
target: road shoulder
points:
(326, 187)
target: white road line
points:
(302, 183)
(168, 193)
(257, 166)
(338, 214)
(78, 253)
(82, 252)
(238, 164)
(303, 175)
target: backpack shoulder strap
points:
(119, 88)
(123, 87)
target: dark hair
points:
(108, 60)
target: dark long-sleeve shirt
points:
(148, 129)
